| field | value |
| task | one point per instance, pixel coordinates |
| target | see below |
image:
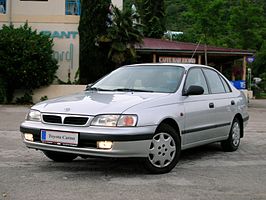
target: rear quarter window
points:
(226, 86)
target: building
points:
(231, 62)
(60, 18)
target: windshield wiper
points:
(131, 90)
(97, 89)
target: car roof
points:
(186, 66)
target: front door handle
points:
(211, 105)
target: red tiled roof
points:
(160, 45)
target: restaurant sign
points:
(167, 59)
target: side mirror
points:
(88, 87)
(193, 90)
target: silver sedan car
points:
(149, 111)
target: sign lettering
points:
(61, 34)
(165, 59)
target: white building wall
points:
(46, 8)
(49, 17)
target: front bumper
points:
(127, 142)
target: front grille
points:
(52, 119)
(65, 119)
(76, 120)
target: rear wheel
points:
(233, 141)
(164, 150)
(59, 156)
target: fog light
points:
(28, 136)
(104, 144)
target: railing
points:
(72, 7)
(2, 6)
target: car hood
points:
(96, 102)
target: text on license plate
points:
(58, 137)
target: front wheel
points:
(233, 141)
(164, 150)
(59, 156)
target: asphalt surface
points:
(202, 173)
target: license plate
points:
(59, 138)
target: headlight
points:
(114, 120)
(34, 115)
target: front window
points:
(2, 6)
(72, 7)
(196, 77)
(164, 79)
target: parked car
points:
(151, 111)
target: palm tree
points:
(122, 36)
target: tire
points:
(164, 150)
(59, 156)
(233, 141)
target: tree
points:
(26, 60)
(236, 24)
(247, 25)
(207, 21)
(93, 23)
(127, 5)
(174, 15)
(153, 18)
(122, 36)
(107, 39)
(260, 61)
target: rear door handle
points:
(233, 102)
(211, 105)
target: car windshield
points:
(161, 78)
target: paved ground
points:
(203, 173)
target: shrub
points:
(2, 90)
(26, 59)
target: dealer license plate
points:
(59, 138)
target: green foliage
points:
(107, 39)
(44, 98)
(26, 59)
(2, 91)
(174, 19)
(259, 89)
(260, 61)
(92, 25)
(247, 25)
(127, 4)
(122, 36)
(235, 24)
(25, 99)
(153, 18)
(263, 82)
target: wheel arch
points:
(240, 118)
(172, 123)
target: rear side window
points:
(214, 81)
